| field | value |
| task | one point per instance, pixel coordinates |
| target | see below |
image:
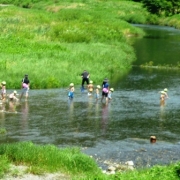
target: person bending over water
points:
(13, 97)
(105, 90)
(25, 84)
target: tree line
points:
(162, 7)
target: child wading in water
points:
(3, 90)
(162, 98)
(97, 92)
(90, 88)
(13, 97)
(110, 94)
(105, 90)
(165, 93)
(71, 91)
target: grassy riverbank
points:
(70, 162)
(55, 42)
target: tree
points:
(162, 7)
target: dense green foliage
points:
(162, 7)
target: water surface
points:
(119, 131)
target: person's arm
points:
(15, 98)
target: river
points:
(119, 131)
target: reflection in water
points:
(162, 118)
(71, 109)
(2, 116)
(105, 114)
(2, 106)
(12, 107)
(162, 113)
(25, 112)
(90, 106)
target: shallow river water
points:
(119, 131)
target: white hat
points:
(98, 86)
(72, 84)
(91, 82)
(162, 92)
(112, 89)
(15, 92)
(165, 89)
(4, 82)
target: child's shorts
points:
(70, 94)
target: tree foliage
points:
(162, 7)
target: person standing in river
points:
(162, 98)
(105, 90)
(25, 84)
(85, 78)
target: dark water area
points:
(119, 131)
(160, 45)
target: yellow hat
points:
(71, 84)
(112, 89)
(98, 86)
(91, 82)
(4, 82)
(165, 89)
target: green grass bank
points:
(55, 41)
(72, 162)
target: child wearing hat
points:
(165, 93)
(90, 88)
(110, 93)
(162, 98)
(71, 91)
(12, 96)
(3, 90)
(98, 87)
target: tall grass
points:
(4, 165)
(173, 21)
(54, 42)
(49, 158)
